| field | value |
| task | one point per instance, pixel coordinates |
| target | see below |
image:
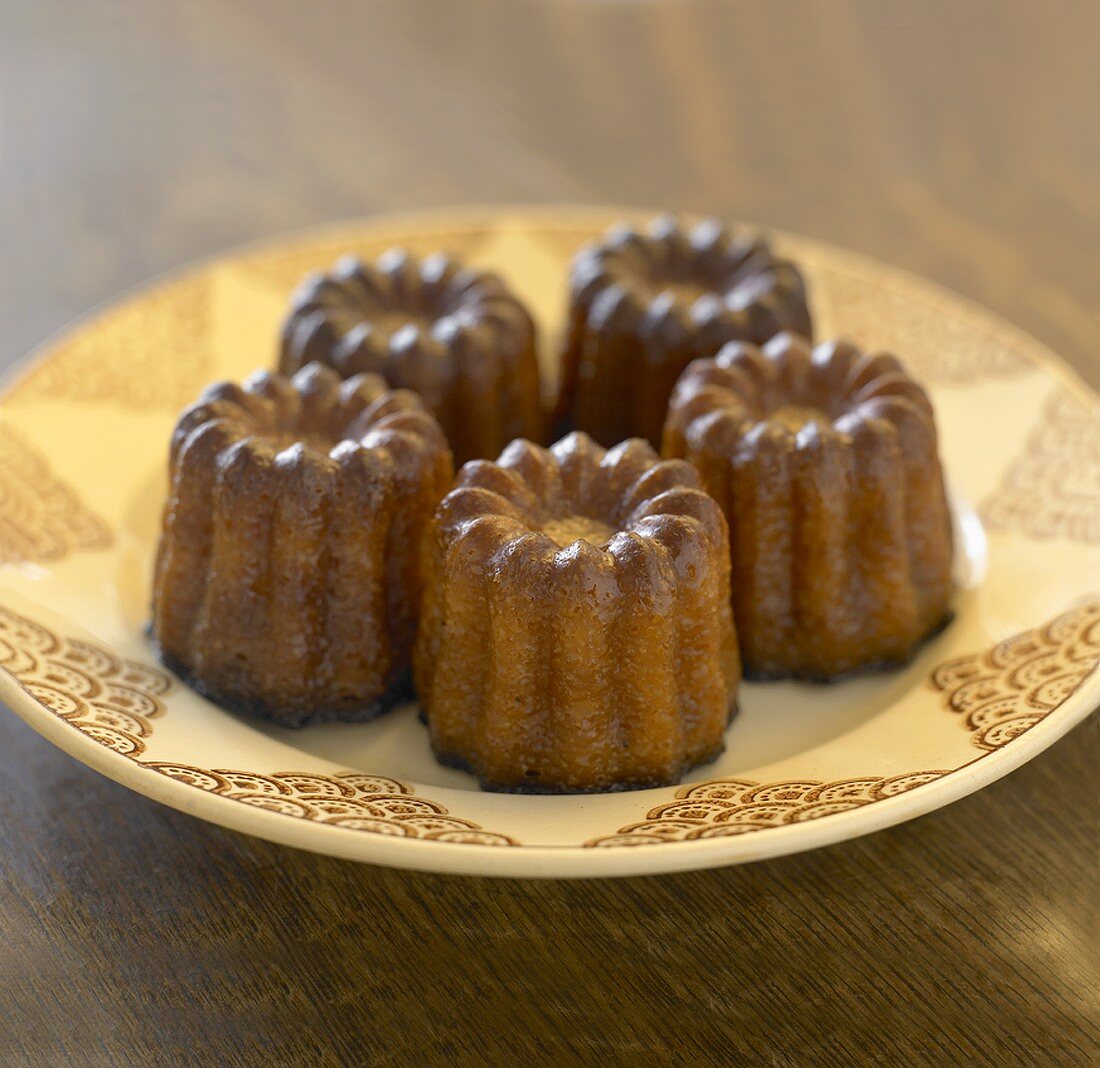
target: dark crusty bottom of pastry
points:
(451, 760)
(351, 711)
(873, 667)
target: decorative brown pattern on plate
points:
(152, 351)
(722, 807)
(359, 802)
(1053, 489)
(113, 702)
(104, 697)
(41, 518)
(935, 339)
(1004, 691)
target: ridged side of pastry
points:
(553, 663)
(840, 530)
(287, 576)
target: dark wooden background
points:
(960, 140)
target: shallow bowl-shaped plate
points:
(83, 436)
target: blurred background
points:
(959, 140)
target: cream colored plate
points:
(83, 436)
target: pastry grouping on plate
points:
(576, 618)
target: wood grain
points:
(957, 140)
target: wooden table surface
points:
(959, 140)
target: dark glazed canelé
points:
(287, 578)
(645, 303)
(458, 337)
(576, 631)
(826, 464)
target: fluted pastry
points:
(576, 631)
(645, 302)
(826, 465)
(288, 575)
(458, 337)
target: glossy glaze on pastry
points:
(288, 574)
(576, 632)
(826, 465)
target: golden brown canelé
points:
(458, 337)
(645, 303)
(826, 465)
(576, 631)
(287, 577)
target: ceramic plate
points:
(83, 436)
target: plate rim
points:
(552, 861)
(555, 861)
